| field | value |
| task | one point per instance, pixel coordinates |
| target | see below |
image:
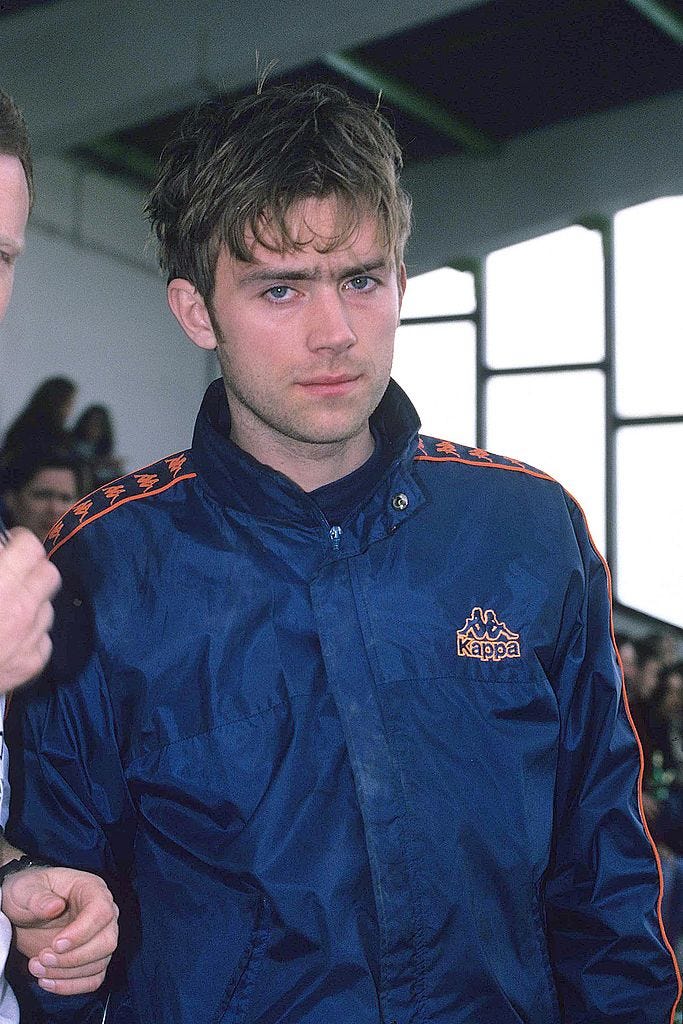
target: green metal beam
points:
(112, 151)
(411, 102)
(662, 16)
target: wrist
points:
(21, 864)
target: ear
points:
(189, 309)
(402, 282)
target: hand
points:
(65, 923)
(28, 581)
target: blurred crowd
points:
(653, 673)
(46, 464)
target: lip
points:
(330, 384)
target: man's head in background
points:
(39, 487)
(16, 192)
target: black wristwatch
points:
(19, 864)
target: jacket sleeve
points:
(611, 959)
(70, 804)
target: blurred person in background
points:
(93, 441)
(42, 422)
(668, 647)
(64, 920)
(649, 666)
(39, 487)
(666, 723)
(641, 666)
(666, 785)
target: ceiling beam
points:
(123, 157)
(662, 16)
(412, 102)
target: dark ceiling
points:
(475, 79)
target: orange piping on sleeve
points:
(642, 763)
(484, 465)
(124, 501)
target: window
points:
(435, 357)
(545, 301)
(649, 517)
(579, 371)
(649, 308)
(556, 422)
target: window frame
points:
(613, 421)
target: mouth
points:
(330, 384)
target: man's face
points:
(41, 502)
(305, 339)
(14, 207)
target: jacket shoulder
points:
(141, 484)
(432, 449)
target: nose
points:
(330, 325)
(56, 508)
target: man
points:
(39, 488)
(339, 714)
(64, 920)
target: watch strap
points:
(20, 864)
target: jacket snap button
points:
(399, 502)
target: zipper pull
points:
(335, 536)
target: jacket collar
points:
(233, 477)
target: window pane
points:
(436, 365)
(649, 308)
(544, 301)
(649, 518)
(443, 292)
(556, 422)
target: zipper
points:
(335, 537)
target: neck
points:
(310, 465)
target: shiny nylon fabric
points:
(309, 804)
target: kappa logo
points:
(485, 638)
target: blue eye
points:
(279, 292)
(362, 283)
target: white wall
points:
(89, 303)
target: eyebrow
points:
(265, 273)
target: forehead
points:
(324, 227)
(57, 477)
(14, 203)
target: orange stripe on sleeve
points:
(124, 501)
(485, 465)
(641, 771)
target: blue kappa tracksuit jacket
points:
(371, 772)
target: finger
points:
(21, 552)
(94, 922)
(29, 901)
(73, 987)
(44, 618)
(25, 568)
(60, 973)
(43, 580)
(44, 906)
(27, 664)
(100, 947)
